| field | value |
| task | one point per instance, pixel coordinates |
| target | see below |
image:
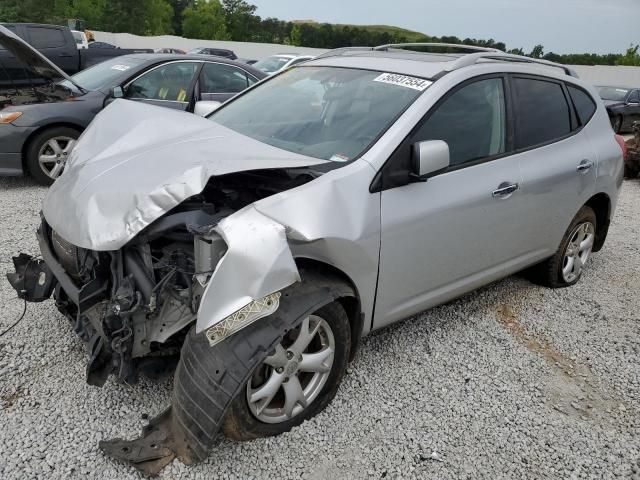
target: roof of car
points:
(164, 57)
(430, 65)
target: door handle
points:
(505, 189)
(584, 166)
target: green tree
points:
(158, 15)
(242, 23)
(295, 37)
(537, 52)
(631, 58)
(205, 20)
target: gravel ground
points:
(512, 381)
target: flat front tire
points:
(297, 380)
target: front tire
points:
(48, 151)
(567, 265)
(298, 379)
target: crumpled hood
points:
(136, 162)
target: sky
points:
(561, 26)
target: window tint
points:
(472, 121)
(585, 105)
(42, 37)
(634, 97)
(219, 78)
(169, 82)
(542, 112)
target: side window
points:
(634, 97)
(42, 37)
(220, 78)
(472, 121)
(585, 106)
(169, 82)
(542, 112)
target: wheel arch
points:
(351, 304)
(601, 205)
(38, 131)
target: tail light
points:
(623, 146)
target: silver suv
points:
(328, 201)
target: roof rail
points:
(435, 44)
(473, 58)
(338, 52)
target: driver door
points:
(461, 228)
(170, 85)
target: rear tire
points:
(616, 123)
(565, 267)
(47, 153)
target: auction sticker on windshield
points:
(403, 81)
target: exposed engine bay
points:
(134, 306)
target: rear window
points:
(43, 37)
(585, 106)
(543, 113)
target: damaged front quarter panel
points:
(257, 263)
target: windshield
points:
(271, 64)
(328, 113)
(106, 73)
(613, 93)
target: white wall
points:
(254, 51)
(598, 75)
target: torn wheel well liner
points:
(208, 378)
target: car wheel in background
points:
(296, 381)
(48, 151)
(567, 264)
(616, 123)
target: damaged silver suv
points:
(256, 247)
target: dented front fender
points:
(257, 262)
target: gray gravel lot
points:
(512, 381)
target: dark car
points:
(43, 111)
(169, 50)
(58, 44)
(623, 106)
(216, 52)
(104, 45)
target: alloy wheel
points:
(577, 251)
(53, 155)
(295, 374)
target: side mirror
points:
(429, 157)
(117, 92)
(206, 107)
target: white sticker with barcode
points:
(403, 81)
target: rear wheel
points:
(616, 123)
(295, 382)
(48, 151)
(567, 264)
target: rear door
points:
(219, 82)
(168, 85)
(55, 43)
(557, 162)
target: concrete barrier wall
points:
(598, 75)
(254, 51)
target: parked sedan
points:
(623, 106)
(44, 114)
(277, 63)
